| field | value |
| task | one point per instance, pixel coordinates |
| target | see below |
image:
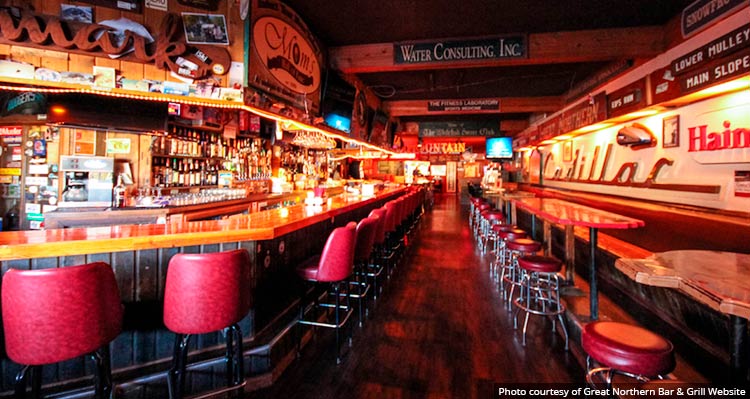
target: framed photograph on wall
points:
(671, 132)
(568, 151)
(205, 28)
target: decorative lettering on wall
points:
(701, 139)
(45, 31)
(625, 175)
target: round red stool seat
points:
(628, 348)
(493, 215)
(503, 227)
(524, 245)
(541, 264)
(512, 235)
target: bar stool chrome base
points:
(540, 292)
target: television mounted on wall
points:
(499, 148)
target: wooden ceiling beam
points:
(544, 48)
(508, 105)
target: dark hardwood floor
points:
(438, 331)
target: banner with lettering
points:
(459, 128)
(285, 59)
(460, 50)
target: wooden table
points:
(716, 279)
(570, 215)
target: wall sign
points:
(459, 129)
(627, 99)
(721, 47)
(702, 13)
(460, 50)
(719, 71)
(466, 104)
(286, 59)
(590, 111)
(664, 85)
(548, 129)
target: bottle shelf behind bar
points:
(189, 156)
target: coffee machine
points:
(86, 181)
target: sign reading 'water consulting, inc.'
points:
(486, 48)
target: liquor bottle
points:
(118, 194)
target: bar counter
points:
(277, 241)
(264, 225)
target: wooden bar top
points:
(717, 279)
(564, 212)
(264, 225)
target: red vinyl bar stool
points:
(487, 220)
(205, 293)
(333, 266)
(540, 292)
(511, 276)
(53, 315)
(474, 202)
(478, 218)
(625, 349)
(498, 248)
(366, 229)
(503, 258)
(379, 254)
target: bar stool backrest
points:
(380, 231)
(207, 292)
(337, 260)
(366, 229)
(53, 315)
(391, 215)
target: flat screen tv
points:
(499, 148)
(339, 122)
(337, 102)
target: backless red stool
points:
(205, 293)
(53, 315)
(474, 202)
(366, 229)
(516, 247)
(478, 218)
(503, 259)
(488, 219)
(498, 249)
(540, 292)
(333, 266)
(625, 349)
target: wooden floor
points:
(438, 331)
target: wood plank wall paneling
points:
(151, 19)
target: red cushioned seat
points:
(511, 235)
(628, 348)
(207, 292)
(58, 314)
(503, 227)
(493, 215)
(484, 207)
(309, 269)
(524, 245)
(541, 264)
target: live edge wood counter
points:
(264, 225)
(277, 240)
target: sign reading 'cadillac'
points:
(487, 48)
